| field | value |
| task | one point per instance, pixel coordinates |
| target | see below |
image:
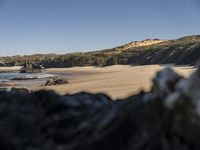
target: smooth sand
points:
(118, 81)
(15, 68)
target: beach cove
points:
(118, 81)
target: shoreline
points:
(118, 81)
(10, 69)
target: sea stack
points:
(30, 67)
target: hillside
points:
(182, 51)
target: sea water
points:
(10, 75)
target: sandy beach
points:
(6, 69)
(117, 81)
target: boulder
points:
(56, 81)
(165, 81)
(31, 68)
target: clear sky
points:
(62, 26)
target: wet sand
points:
(118, 81)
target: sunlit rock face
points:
(146, 42)
(165, 118)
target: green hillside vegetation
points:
(183, 51)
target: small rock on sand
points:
(56, 81)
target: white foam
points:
(11, 75)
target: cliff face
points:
(185, 51)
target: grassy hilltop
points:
(182, 51)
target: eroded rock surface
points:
(31, 68)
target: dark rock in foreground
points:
(20, 89)
(31, 68)
(56, 81)
(167, 118)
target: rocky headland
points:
(182, 51)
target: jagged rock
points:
(172, 88)
(165, 81)
(191, 88)
(56, 81)
(31, 68)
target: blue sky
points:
(63, 26)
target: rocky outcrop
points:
(31, 68)
(56, 81)
(2, 63)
